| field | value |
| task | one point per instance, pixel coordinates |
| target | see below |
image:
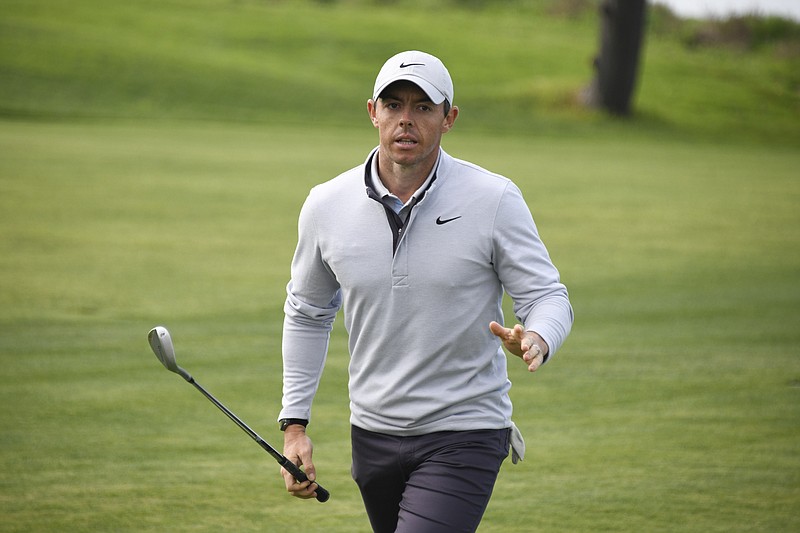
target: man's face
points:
(410, 126)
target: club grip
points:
(322, 494)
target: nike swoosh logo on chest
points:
(440, 221)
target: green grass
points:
(516, 66)
(153, 159)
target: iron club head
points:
(161, 343)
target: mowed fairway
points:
(673, 406)
(153, 160)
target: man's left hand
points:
(527, 345)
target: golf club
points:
(161, 343)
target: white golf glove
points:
(517, 444)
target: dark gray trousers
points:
(440, 482)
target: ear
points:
(450, 119)
(372, 109)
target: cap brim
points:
(436, 96)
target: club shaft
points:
(299, 475)
(238, 421)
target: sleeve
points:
(313, 298)
(541, 301)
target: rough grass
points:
(518, 66)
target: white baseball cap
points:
(425, 70)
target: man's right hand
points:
(297, 447)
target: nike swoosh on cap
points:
(406, 65)
(439, 220)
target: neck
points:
(403, 181)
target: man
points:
(418, 247)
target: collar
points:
(373, 182)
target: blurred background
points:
(728, 8)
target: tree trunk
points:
(621, 36)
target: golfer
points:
(418, 247)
